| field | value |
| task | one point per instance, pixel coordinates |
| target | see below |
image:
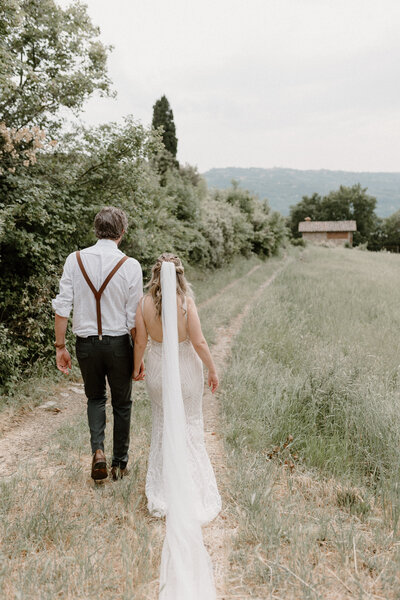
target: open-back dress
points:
(192, 384)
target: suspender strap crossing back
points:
(98, 293)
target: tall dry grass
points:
(312, 425)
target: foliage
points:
(262, 231)
(390, 238)
(346, 203)
(309, 206)
(47, 211)
(49, 58)
(20, 146)
(11, 356)
(164, 117)
(163, 121)
(9, 19)
(386, 234)
(298, 242)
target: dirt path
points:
(27, 437)
(227, 287)
(218, 534)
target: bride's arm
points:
(139, 344)
(199, 343)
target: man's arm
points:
(135, 292)
(62, 306)
(63, 358)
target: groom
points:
(104, 287)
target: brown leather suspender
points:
(98, 293)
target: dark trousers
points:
(111, 357)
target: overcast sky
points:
(306, 84)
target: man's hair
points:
(110, 223)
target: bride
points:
(180, 481)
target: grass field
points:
(63, 538)
(312, 426)
(310, 402)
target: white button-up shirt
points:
(118, 301)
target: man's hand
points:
(138, 375)
(63, 360)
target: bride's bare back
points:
(153, 322)
(148, 323)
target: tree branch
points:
(99, 165)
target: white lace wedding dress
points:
(192, 385)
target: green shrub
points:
(47, 212)
(298, 242)
(11, 356)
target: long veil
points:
(186, 570)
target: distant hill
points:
(284, 187)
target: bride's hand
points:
(213, 381)
(138, 375)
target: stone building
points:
(335, 232)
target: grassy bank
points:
(61, 536)
(311, 404)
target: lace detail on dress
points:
(192, 382)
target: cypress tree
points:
(163, 115)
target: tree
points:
(49, 58)
(9, 19)
(309, 206)
(264, 231)
(363, 213)
(164, 117)
(351, 203)
(336, 206)
(346, 203)
(391, 232)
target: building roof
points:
(314, 226)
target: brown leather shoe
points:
(99, 465)
(118, 473)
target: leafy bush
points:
(47, 211)
(298, 242)
(11, 356)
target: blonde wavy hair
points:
(183, 287)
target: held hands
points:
(63, 360)
(138, 374)
(213, 381)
